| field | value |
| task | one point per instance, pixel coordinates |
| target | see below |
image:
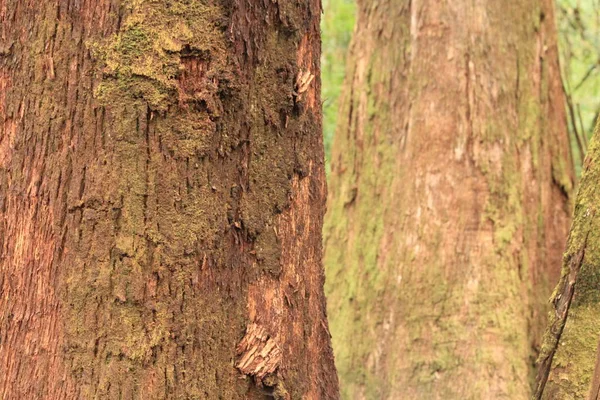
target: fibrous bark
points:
(448, 204)
(161, 199)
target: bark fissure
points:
(568, 357)
(144, 147)
(561, 303)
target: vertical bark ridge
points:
(161, 190)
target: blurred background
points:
(578, 24)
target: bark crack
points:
(562, 302)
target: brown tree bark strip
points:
(569, 356)
(448, 206)
(161, 189)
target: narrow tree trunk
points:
(449, 199)
(569, 361)
(161, 199)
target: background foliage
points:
(337, 25)
(579, 40)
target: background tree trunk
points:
(449, 203)
(569, 360)
(161, 199)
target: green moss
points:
(194, 167)
(143, 60)
(574, 361)
(575, 357)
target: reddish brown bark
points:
(161, 193)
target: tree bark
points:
(449, 199)
(161, 200)
(569, 363)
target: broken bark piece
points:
(258, 352)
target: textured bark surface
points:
(161, 199)
(449, 199)
(570, 358)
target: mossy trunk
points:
(449, 199)
(161, 200)
(570, 356)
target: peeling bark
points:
(258, 353)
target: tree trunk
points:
(449, 200)
(161, 200)
(570, 357)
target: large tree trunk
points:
(570, 358)
(161, 199)
(449, 199)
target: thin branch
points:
(583, 131)
(573, 121)
(586, 76)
